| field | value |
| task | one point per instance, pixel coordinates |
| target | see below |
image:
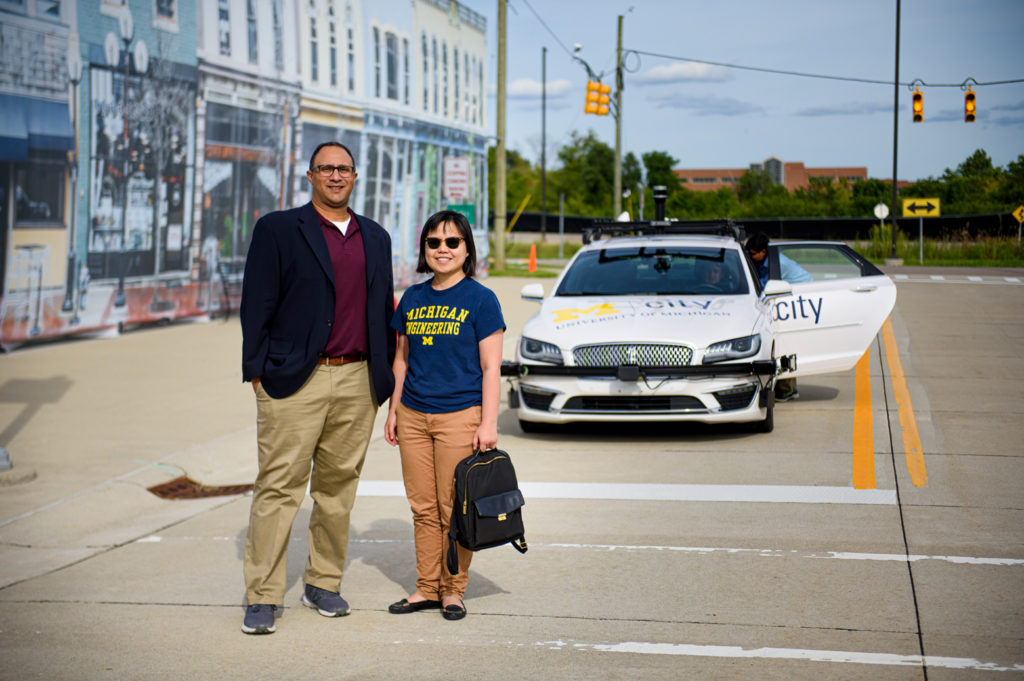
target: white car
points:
(676, 327)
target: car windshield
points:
(655, 270)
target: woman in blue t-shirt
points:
(445, 405)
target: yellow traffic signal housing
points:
(597, 98)
(918, 106)
(969, 108)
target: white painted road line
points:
(777, 494)
(836, 656)
(790, 553)
(703, 550)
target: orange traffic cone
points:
(532, 264)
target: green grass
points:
(545, 251)
(952, 250)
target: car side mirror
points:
(776, 288)
(534, 292)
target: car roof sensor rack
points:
(611, 228)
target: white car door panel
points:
(829, 322)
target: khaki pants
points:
(325, 425)
(431, 445)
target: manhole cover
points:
(187, 488)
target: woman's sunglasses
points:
(452, 242)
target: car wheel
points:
(534, 427)
(768, 424)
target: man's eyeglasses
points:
(452, 242)
(326, 170)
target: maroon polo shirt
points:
(348, 260)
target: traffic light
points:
(597, 98)
(969, 105)
(918, 106)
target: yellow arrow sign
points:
(920, 208)
(1019, 213)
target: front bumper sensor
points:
(633, 372)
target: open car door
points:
(839, 303)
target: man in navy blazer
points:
(317, 298)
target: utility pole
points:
(499, 152)
(895, 129)
(617, 182)
(543, 141)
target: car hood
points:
(696, 321)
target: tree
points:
(586, 175)
(659, 166)
(160, 115)
(753, 183)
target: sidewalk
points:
(127, 585)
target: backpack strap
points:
(520, 544)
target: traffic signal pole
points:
(500, 216)
(617, 181)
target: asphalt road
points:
(656, 552)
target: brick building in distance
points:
(791, 175)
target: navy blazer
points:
(288, 301)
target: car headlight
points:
(733, 349)
(540, 351)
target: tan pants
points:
(431, 445)
(325, 425)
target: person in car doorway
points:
(445, 404)
(757, 248)
(316, 299)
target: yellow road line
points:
(863, 432)
(908, 424)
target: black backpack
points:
(487, 508)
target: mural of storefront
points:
(402, 178)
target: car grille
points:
(536, 399)
(608, 403)
(735, 398)
(642, 354)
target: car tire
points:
(766, 425)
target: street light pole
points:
(74, 77)
(127, 28)
(543, 142)
(500, 216)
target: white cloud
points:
(845, 109)
(683, 72)
(703, 105)
(527, 88)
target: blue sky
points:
(718, 117)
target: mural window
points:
(435, 75)
(314, 64)
(376, 62)
(351, 61)
(455, 89)
(275, 10)
(444, 65)
(250, 19)
(224, 27)
(391, 41)
(426, 74)
(469, 86)
(334, 46)
(469, 77)
(38, 198)
(165, 15)
(405, 69)
(372, 147)
(384, 188)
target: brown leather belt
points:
(344, 359)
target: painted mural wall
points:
(148, 137)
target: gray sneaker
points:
(327, 603)
(259, 619)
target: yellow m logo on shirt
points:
(427, 340)
(570, 313)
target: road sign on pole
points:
(456, 178)
(920, 208)
(1019, 214)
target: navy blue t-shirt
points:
(444, 329)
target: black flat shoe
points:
(453, 612)
(404, 606)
